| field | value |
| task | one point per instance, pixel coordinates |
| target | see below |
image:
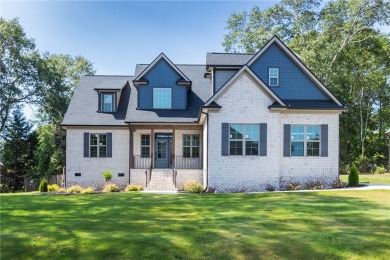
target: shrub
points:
(293, 186)
(315, 185)
(111, 187)
(88, 190)
(353, 178)
(53, 187)
(269, 187)
(380, 170)
(43, 186)
(4, 188)
(134, 187)
(193, 186)
(62, 190)
(338, 184)
(75, 189)
(107, 175)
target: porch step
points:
(161, 180)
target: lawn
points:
(304, 225)
(371, 178)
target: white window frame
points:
(158, 104)
(273, 77)
(243, 140)
(98, 145)
(305, 141)
(145, 146)
(191, 145)
(113, 104)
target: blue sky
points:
(117, 35)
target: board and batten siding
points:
(221, 77)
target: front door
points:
(162, 153)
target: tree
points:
(15, 150)
(18, 73)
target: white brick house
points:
(241, 122)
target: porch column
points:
(132, 148)
(152, 147)
(173, 147)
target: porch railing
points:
(181, 162)
(141, 162)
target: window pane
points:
(297, 133)
(195, 140)
(145, 140)
(297, 149)
(102, 139)
(251, 148)
(236, 131)
(162, 98)
(252, 132)
(186, 140)
(186, 152)
(313, 132)
(313, 149)
(145, 152)
(93, 139)
(93, 151)
(102, 151)
(235, 147)
(195, 152)
(107, 102)
(273, 81)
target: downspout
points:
(207, 157)
(130, 152)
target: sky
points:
(117, 35)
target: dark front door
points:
(162, 153)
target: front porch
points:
(165, 155)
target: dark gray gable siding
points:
(162, 75)
(292, 80)
(263, 139)
(221, 77)
(324, 140)
(225, 139)
(286, 140)
(86, 144)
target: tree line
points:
(44, 81)
(341, 43)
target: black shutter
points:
(86, 144)
(109, 144)
(263, 139)
(286, 140)
(225, 139)
(99, 102)
(324, 140)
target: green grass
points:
(311, 225)
(370, 178)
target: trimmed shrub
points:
(107, 175)
(315, 185)
(338, 184)
(380, 170)
(75, 189)
(269, 187)
(43, 186)
(353, 178)
(293, 186)
(111, 187)
(193, 186)
(53, 187)
(134, 187)
(88, 190)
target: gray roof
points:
(309, 104)
(83, 107)
(227, 59)
(200, 92)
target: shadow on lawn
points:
(270, 225)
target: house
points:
(241, 122)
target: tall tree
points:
(18, 71)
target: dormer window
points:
(273, 76)
(107, 102)
(162, 98)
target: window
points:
(191, 146)
(305, 140)
(98, 145)
(145, 146)
(273, 76)
(244, 139)
(108, 102)
(162, 98)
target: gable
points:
(293, 82)
(162, 75)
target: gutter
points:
(207, 157)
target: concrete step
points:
(161, 180)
